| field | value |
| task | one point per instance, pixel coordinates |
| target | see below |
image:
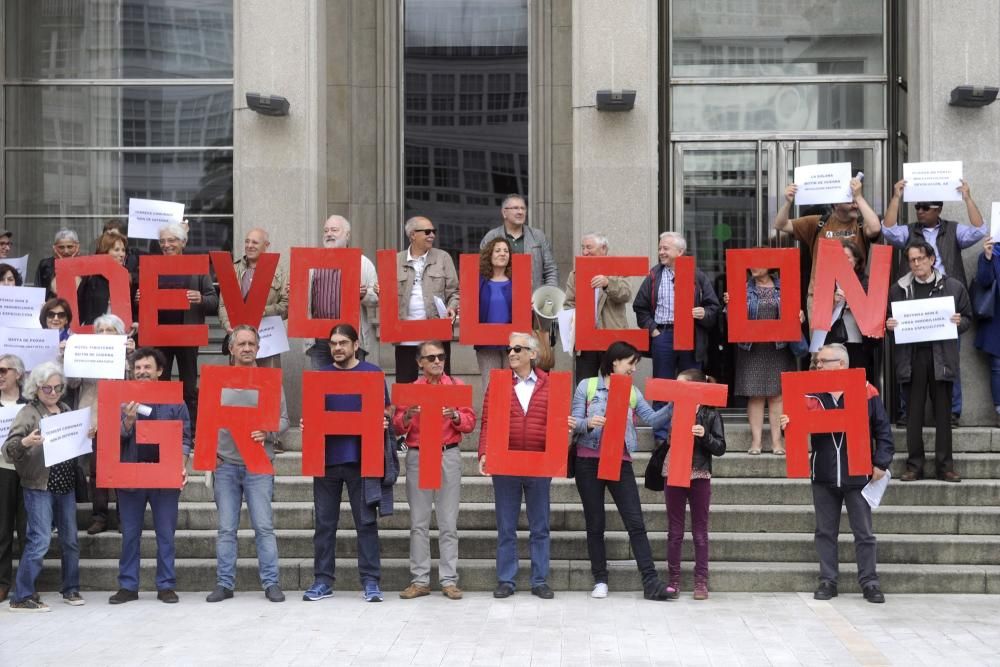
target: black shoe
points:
(826, 591)
(657, 592)
(503, 590)
(122, 596)
(219, 594)
(954, 420)
(274, 594)
(874, 594)
(167, 595)
(543, 591)
(901, 421)
(910, 476)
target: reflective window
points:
(466, 114)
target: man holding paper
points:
(928, 367)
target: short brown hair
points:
(106, 242)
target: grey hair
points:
(677, 239)
(40, 374)
(533, 343)
(15, 363)
(263, 232)
(411, 225)
(840, 350)
(175, 229)
(110, 319)
(601, 239)
(66, 234)
(342, 219)
(243, 327)
(513, 195)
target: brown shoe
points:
(950, 476)
(452, 592)
(909, 476)
(415, 591)
(167, 595)
(4, 592)
(98, 526)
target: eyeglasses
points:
(918, 259)
(4, 371)
(56, 315)
(5, 244)
(516, 349)
(427, 232)
(925, 207)
(433, 357)
(49, 389)
(341, 343)
(515, 208)
(820, 361)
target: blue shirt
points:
(665, 298)
(346, 448)
(966, 235)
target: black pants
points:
(626, 496)
(921, 384)
(12, 517)
(588, 364)
(187, 370)
(406, 362)
(327, 493)
(827, 502)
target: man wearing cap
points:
(947, 237)
(6, 240)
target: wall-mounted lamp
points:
(268, 105)
(972, 96)
(615, 100)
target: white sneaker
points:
(600, 591)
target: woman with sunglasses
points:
(11, 498)
(495, 298)
(49, 492)
(9, 276)
(590, 402)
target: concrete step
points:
(731, 491)
(569, 544)
(569, 516)
(480, 575)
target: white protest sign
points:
(95, 356)
(147, 216)
(823, 184)
(995, 222)
(567, 328)
(932, 181)
(7, 415)
(19, 263)
(922, 320)
(273, 337)
(20, 306)
(32, 346)
(65, 436)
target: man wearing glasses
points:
(833, 487)
(66, 244)
(427, 281)
(524, 239)
(458, 421)
(948, 239)
(6, 241)
(929, 367)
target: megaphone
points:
(547, 301)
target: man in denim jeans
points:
(233, 481)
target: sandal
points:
(754, 451)
(778, 452)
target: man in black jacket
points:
(66, 244)
(654, 311)
(833, 487)
(929, 367)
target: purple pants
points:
(677, 497)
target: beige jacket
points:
(440, 280)
(610, 305)
(277, 296)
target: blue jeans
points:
(995, 380)
(666, 364)
(41, 507)
(507, 492)
(326, 495)
(131, 509)
(232, 482)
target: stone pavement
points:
(572, 629)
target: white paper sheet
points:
(932, 181)
(147, 216)
(874, 490)
(65, 436)
(273, 337)
(33, 346)
(19, 263)
(95, 356)
(567, 329)
(818, 337)
(823, 184)
(995, 223)
(20, 306)
(442, 308)
(7, 415)
(921, 320)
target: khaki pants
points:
(445, 504)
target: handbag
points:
(984, 300)
(653, 479)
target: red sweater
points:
(527, 431)
(451, 432)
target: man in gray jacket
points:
(514, 212)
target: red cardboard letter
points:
(239, 420)
(393, 329)
(318, 422)
(741, 328)
(432, 398)
(154, 299)
(588, 336)
(473, 332)
(348, 260)
(832, 269)
(252, 310)
(112, 473)
(686, 397)
(70, 268)
(852, 419)
(613, 434)
(500, 460)
(683, 303)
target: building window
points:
(466, 113)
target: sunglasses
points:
(427, 232)
(433, 357)
(516, 349)
(49, 389)
(56, 315)
(4, 371)
(925, 207)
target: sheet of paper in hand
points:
(922, 320)
(823, 184)
(932, 181)
(147, 216)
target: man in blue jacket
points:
(148, 366)
(833, 487)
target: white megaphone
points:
(547, 301)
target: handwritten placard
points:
(932, 181)
(20, 306)
(147, 216)
(823, 184)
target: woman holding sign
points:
(587, 421)
(11, 498)
(49, 492)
